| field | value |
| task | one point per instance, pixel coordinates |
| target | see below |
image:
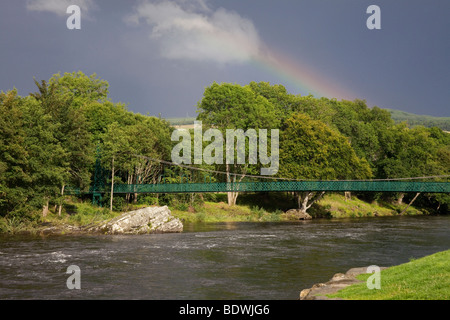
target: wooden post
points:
(60, 205)
(112, 186)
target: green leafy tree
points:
(47, 158)
(416, 152)
(231, 106)
(71, 131)
(15, 180)
(115, 153)
(310, 150)
(148, 139)
(80, 88)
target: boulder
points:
(142, 221)
(298, 214)
(337, 282)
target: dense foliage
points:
(52, 138)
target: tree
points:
(115, 153)
(99, 115)
(283, 102)
(148, 139)
(231, 106)
(416, 152)
(47, 163)
(14, 178)
(311, 150)
(71, 132)
(80, 88)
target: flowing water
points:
(273, 261)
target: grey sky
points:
(158, 56)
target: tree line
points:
(327, 139)
(52, 138)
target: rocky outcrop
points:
(298, 214)
(339, 281)
(142, 221)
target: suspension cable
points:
(275, 178)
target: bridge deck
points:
(277, 186)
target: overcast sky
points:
(159, 55)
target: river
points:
(273, 261)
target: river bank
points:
(425, 278)
(77, 216)
(277, 209)
(146, 220)
(340, 281)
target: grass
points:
(336, 206)
(270, 207)
(74, 213)
(13, 225)
(267, 207)
(427, 278)
(86, 213)
(221, 212)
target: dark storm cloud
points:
(158, 56)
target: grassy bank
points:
(221, 212)
(250, 207)
(73, 214)
(271, 207)
(426, 278)
(336, 206)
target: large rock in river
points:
(141, 221)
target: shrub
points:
(147, 200)
(200, 216)
(182, 206)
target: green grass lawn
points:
(427, 278)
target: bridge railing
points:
(274, 186)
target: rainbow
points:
(289, 70)
(300, 75)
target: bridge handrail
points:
(266, 186)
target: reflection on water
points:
(213, 261)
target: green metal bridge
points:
(276, 186)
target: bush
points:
(119, 203)
(273, 216)
(200, 216)
(86, 213)
(147, 200)
(258, 211)
(182, 206)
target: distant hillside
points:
(397, 115)
(181, 121)
(423, 120)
